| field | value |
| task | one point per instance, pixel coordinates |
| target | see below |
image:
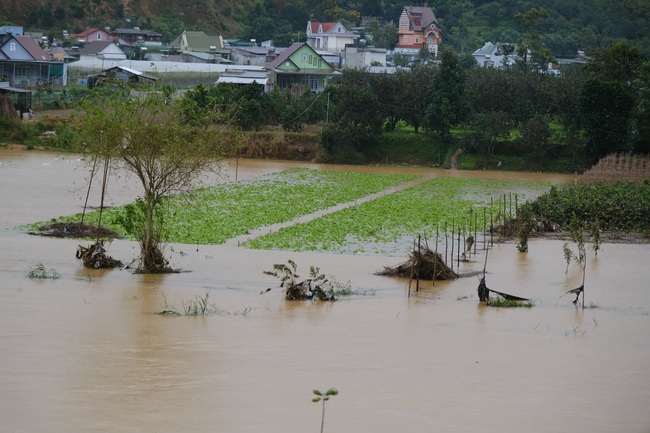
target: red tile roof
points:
(327, 27)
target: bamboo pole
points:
(417, 281)
(491, 224)
(484, 225)
(446, 243)
(434, 262)
(458, 252)
(453, 230)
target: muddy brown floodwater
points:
(87, 353)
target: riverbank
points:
(399, 147)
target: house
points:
(105, 50)
(245, 77)
(329, 36)
(137, 36)
(362, 56)
(200, 42)
(253, 55)
(93, 35)
(492, 56)
(121, 73)
(418, 30)
(24, 63)
(300, 67)
(58, 54)
(199, 57)
(7, 31)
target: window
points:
(21, 73)
(99, 36)
(311, 81)
(304, 57)
(417, 39)
(285, 81)
(12, 46)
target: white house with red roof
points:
(329, 36)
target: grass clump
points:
(200, 307)
(39, 271)
(506, 303)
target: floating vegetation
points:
(40, 272)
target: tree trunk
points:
(148, 244)
(153, 259)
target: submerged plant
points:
(507, 303)
(580, 256)
(595, 234)
(568, 255)
(317, 286)
(39, 272)
(199, 306)
(323, 397)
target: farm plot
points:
(215, 214)
(388, 225)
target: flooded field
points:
(88, 351)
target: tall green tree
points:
(620, 62)
(355, 125)
(447, 105)
(605, 110)
(642, 112)
(531, 51)
(415, 86)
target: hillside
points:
(570, 26)
(222, 16)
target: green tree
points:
(415, 87)
(447, 106)
(489, 128)
(642, 112)
(532, 52)
(535, 136)
(605, 110)
(149, 139)
(355, 124)
(621, 62)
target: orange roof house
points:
(418, 30)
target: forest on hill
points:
(570, 25)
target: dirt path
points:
(309, 217)
(454, 158)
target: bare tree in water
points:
(148, 138)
